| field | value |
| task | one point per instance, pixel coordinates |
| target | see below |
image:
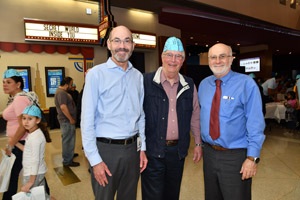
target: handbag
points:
(36, 193)
(5, 170)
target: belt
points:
(171, 143)
(122, 142)
(219, 148)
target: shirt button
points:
(173, 131)
(163, 118)
(164, 99)
(171, 99)
(161, 138)
(173, 120)
(172, 110)
(159, 156)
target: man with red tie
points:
(232, 128)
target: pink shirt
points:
(11, 113)
(172, 130)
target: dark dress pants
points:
(161, 179)
(222, 178)
(123, 161)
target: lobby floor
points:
(278, 176)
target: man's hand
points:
(143, 161)
(99, 173)
(249, 169)
(197, 154)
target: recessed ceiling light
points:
(206, 45)
(238, 44)
(277, 50)
(218, 41)
(290, 52)
(191, 37)
(196, 43)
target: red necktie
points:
(214, 125)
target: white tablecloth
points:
(275, 110)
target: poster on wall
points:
(24, 71)
(54, 76)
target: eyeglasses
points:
(117, 41)
(170, 56)
(221, 57)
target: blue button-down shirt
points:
(112, 106)
(241, 119)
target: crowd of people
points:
(134, 124)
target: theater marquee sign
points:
(37, 30)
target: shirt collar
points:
(111, 64)
(157, 77)
(224, 79)
(163, 78)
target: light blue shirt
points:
(112, 106)
(242, 122)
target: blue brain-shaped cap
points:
(298, 76)
(173, 44)
(33, 111)
(10, 73)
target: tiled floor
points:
(278, 175)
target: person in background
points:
(18, 100)
(34, 166)
(261, 92)
(270, 88)
(232, 128)
(74, 93)
(66, 115)
(172, 109)
(113, 121)
(297, 92)
(290, 113)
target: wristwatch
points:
(254, 159)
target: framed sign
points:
(54, 76)
(26, 75)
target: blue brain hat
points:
(10, 73)
(298, 76)
(33, 111)
(173, 44)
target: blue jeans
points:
(68, 135)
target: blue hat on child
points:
(298, 76)
(33, 111)
(173, 44)
(10, 73)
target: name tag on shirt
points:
(138, 143)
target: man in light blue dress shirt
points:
(113, 121)
(230, 161)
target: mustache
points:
(121, 49)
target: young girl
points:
(34, 166)
(290, 113)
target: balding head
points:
(120, 29)
(121, 45)
(220, 59)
